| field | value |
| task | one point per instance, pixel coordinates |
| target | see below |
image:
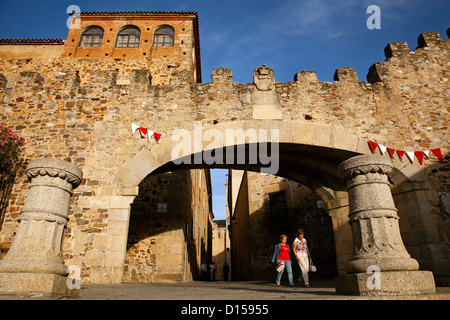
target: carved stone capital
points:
(55, 168)
(365, 165)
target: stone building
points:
(221, 246)
(78, 100)
(169, 232)
(266, 207)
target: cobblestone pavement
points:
(219, 290)
(232, 291)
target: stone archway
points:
(311, 154)
(315, 141)
(312, 139)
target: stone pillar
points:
(380, 262)
(34, 263)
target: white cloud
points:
(332, 19)
(320, 18)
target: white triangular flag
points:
(410, 155)
(382, 148)
(427, 154)
(134, 127)
(149, 134)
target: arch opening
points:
(172, 223)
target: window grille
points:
(164, 36)
(128, 37)
(92, 37)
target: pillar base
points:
(29, 283)
(390, 283)
(385, 264)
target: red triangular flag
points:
(157, 136)
(400, 154)
(143, 131)
(437, 153)
(373, 146)
(419, 155)
(391, 152)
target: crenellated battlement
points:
(130, 72)
(407, 82)
(398, 55)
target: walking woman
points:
(302, 255)
(282, 254)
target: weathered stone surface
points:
(35, 256)
(265, 101)
(80, 109)
(376, 234)
(373, 216)
(390, 283)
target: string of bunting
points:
(410, 154)
(373, 146)
(144, 131)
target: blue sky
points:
(287, 35)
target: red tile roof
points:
(31, 42)
(139, 13)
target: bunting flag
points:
(391, 152)
(373, 146)
(149, 134)
(144, 131)
(382, 148)
(400, 154)
(419, 155)
(437, 153)
(157, 136)
(134, 127)
(411, 155)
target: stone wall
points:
(300, 208)
(241, 236)
(221, 246)
(162, 228)
(28, 51)
(81, 111)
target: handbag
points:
(280, 266)
(312, 267)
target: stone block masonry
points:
(80, 109)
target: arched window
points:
(92, 37)
(163, 36)
(128, 37)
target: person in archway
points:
(212, 270)
(226, 270)
(204, 269)
(302, 255)
(282, 255)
